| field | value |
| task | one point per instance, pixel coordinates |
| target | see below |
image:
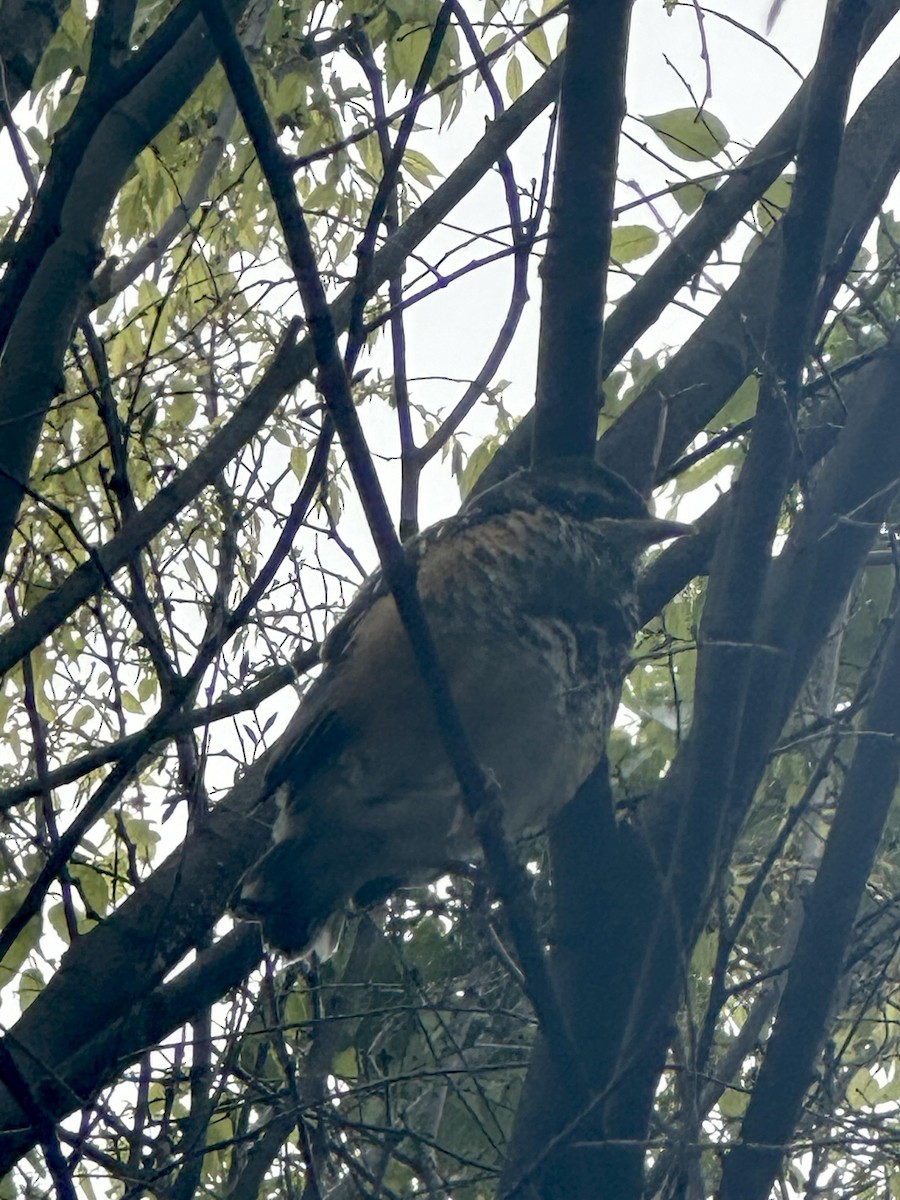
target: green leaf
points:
(56, 915)
(689, 133)
(689, 196)
(345, 1063)
(60, 115)
(297, 1008)
(39, 144)
(887, 239)
(420, 166)
(733, 1103)
(220, 1128)
(408, 49)
(740, 407)
(431, 952)
(182, 408)
(10, 900)
(140, 832)
(514, 83)
(890, 1091)
(68, 48)
(862, 1090)
(536, 40)
(290, 95)
(149, 294)
(324, 196)
(630, 242)
(94, 885)
(344, 246)
(299, 459)
(774, 203)
(370, 152)
(708, 468)
(401, 1179)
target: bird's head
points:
(585, 491)
(276, 894)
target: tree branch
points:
(592, 107)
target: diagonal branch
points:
(728, 645)
(480, 797)
(787, 1069)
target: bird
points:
(529, 594)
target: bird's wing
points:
(375, 587)
(513, 493)
(318, 743)
(321, 734)
(441, 557)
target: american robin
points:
(529, 594)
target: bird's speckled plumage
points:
(529, 595)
